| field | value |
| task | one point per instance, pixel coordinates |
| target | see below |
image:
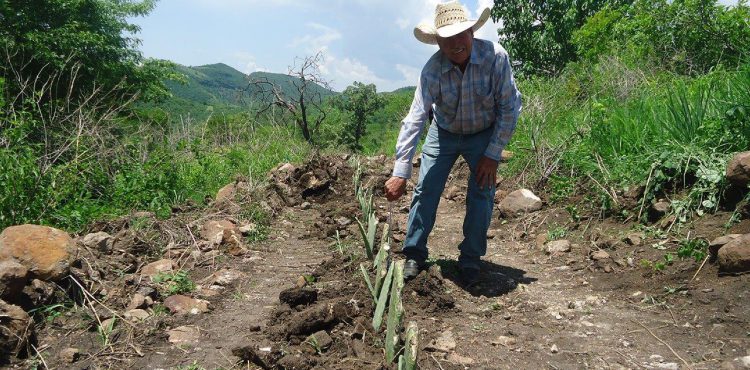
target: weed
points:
(313, 342)
(573, 212)
(50, 312)
(193, 366)
(105, 331)
(159, 309)
(172, 283)
(561, 188)
(556, 233)
(693, 248)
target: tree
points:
(538, 33)
(93, 38)
(303, 99)
(361, 101)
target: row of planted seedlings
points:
(385, 279)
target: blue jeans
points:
(439, 153)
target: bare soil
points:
(530, 310)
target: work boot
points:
(412, 269)
(469, 276)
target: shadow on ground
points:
(495, 280)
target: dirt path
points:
(537, 311)
(531, 310)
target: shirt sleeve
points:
(411, 126)
(508, 100)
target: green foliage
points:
(696, 249)
(171, 283)
(556, 233)
(685, 36)
(361, 101)
(95, 38)
(538, 33)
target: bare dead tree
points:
(300, 99)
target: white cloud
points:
(318, 42)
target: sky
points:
(369, 41)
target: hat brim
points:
(426, 33)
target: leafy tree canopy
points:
(537, 33)
(81, 44)
(361, 101)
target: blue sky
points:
(369, 41)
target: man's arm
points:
(408, 137)
(508, 102)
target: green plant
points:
(696, 249)
(105, 331)
(50, 312)
(172, 283)
(556, 233)
(193, 366)
(573, 212)
(313, 342)
(561, 188)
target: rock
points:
(184, 335)
(519, 202)
(44, 251)
(155, 268)
(738, 169)
(492, 233)
(248, 229)
(445, 343)
(301, 282)
(557, 247)
(298, 296)
(452, 193)
(294, 361)
(320, 341)
(659, 209)
(180, 305)
(343, 222)
(634, 239)
(735, 255)
(13, 277)
(100, 241)
(137, 301)
(232, 243)
(40, 292)
(716, 244)
(251, 354)
(136, 314)
(228, 192)
(554, 349)
(599, 255)
(504, 341)
(224, 277)
(146, 291)
(457, 359)
(500, 195)
(506, 154)
(305, 206)
(214, 230)
(286, 168)
(738, 363)
(15, 329)
(309, 181)
(70, 355)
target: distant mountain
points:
(215, 88)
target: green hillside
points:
(219, 88)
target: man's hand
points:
(395, 187)
(486, 172)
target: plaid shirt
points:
(485, 95)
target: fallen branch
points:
(666, 344)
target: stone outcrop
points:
(519, 202)
(45, 251)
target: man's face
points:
(457, 48)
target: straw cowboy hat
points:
(450, 20)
